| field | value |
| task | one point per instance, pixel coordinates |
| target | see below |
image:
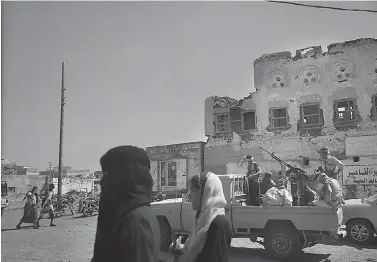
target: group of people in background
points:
(33, 212)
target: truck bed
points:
(302, 217)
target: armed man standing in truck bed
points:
(330, 164)
(252, 185)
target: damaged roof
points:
(228, 102)
(315, 51)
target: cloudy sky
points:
(138, 72)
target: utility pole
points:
(62, 103)
(51, 175)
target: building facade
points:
(76, 184)
(172, 166)
(26, 170)
(302, 103)
(67, 171)
(22, 184)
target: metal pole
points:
(62, 103)
(51, 175)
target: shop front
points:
(172, 166)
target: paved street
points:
(72, 240)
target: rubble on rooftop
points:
(315, 51)
(228, 102)
(351, 44)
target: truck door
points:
(187, 214)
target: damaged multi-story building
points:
(302, 103)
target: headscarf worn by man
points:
(125, 186)
(213, 204)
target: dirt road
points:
(73, 238)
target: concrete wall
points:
(23, 184)
(77, 184)
(188, 156)
(347, 70)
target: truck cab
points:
(299, 226)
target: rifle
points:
(291, 168)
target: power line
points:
(324, 7)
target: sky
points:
(138, 73)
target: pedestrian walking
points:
(47, 206)
(127, 228)
(31, 208)
(211, 236)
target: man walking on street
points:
(47, 207)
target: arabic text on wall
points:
(172, 148)
(360, 175)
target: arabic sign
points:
(360, 175)
(361, 145)
(173, 148)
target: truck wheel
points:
(359, 231)
(282, 242)
(165, 235)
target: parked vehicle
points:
(66, 203)
(360, 219)
(285, 230)
(89, 206)
(4, 196)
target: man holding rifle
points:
(331, 166)
(252, 185)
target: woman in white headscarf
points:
(211, 235)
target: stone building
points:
(302, 103)
(27, 171)
(18, 184)
(173, 165)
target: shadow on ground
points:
(346, 242)
(82, 216)
(15, 229)
(260, 254)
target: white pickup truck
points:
(285, 230)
